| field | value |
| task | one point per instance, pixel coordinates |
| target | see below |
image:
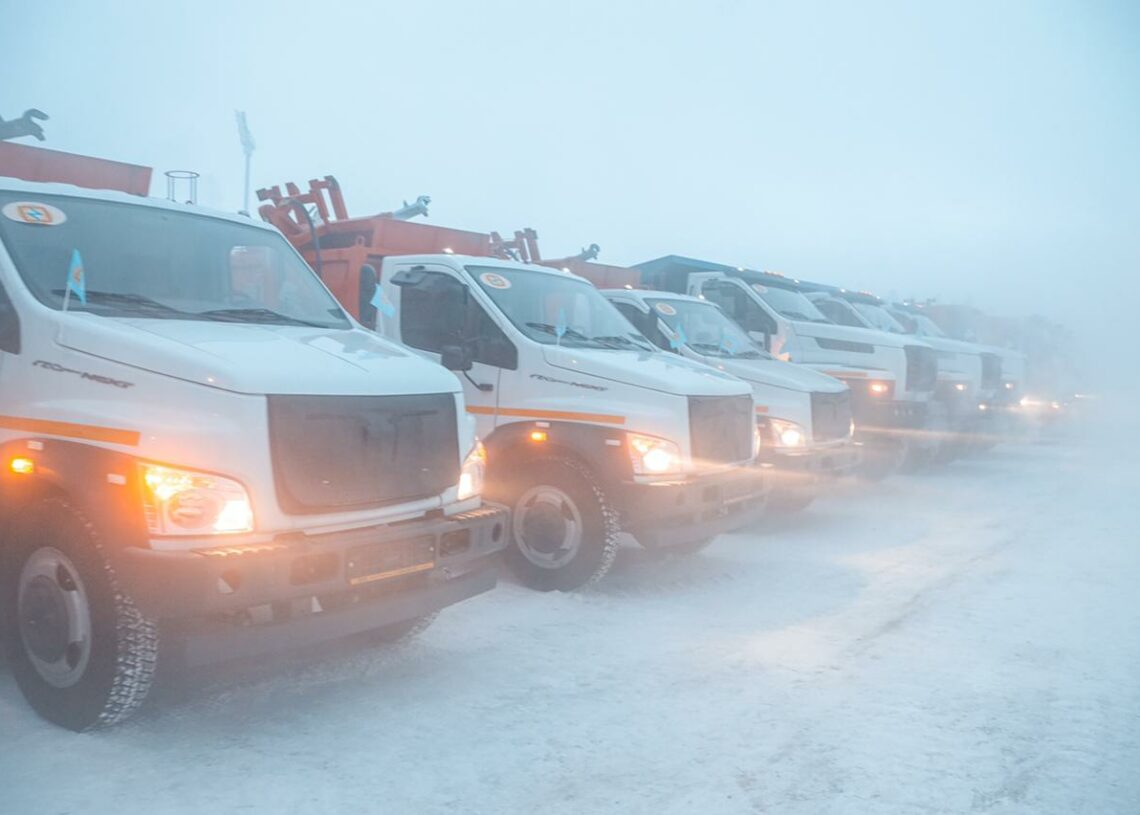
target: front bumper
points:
(875, 416)
(673, 513)
(836, 460)
(392, 572)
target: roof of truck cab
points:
(483, 260)
(32, 188)
(645, 294)
(668, 263)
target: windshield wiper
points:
(568, 332)
(129, 302)
(621, 342)
(256, 315)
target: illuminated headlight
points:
(473, 473)
(650, 455)
(879, 388)
(185, 502)
(959, 386)
(787, 434)
(1009, 386)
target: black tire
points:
(114, 663)
(551, 496)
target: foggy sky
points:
(966, 150)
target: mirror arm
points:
(480, 386)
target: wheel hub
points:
(548, 527)
(43, 619)
(54, 617)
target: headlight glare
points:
(185, 502)
(650, 455)
(473, 473)
(787, 434)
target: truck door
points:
(435, 310)
(741, 306)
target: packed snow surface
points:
(965, 640)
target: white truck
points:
(590, 429)
(967, 379)
(198, 445)
(804, 416)
(892, 379)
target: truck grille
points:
(830, 416)
(991, 372)
(721, 428)
(334, 453)
(921, 368)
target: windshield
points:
(141, 261)
(705, 329)
(789, 303)
(839, 312)
(926, 326)
(556, 309)
(880, 318)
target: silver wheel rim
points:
(54, 617)
(547, 527)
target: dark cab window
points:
(437, 311)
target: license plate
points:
(382, 561)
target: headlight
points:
(185, 502)
(650, 455)
(787, 434)
(473, 472)
(880, 388)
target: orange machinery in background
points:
(39, 164)
(524, 247)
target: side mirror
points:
(455, 358)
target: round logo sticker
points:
(33, 212)
(666, 309)
(495, 281)
(759, 289)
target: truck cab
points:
(590, 429)
(966, 377)
(199, 447)
(891, 378)
(804, 416)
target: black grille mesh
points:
(830, 416)
(921, 368)
(721, 428)
(334, 453)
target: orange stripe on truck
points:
(572, 415)
(89, 432)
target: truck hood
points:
(653, 370)
(870, 336)
(777, 374)
(258, 359)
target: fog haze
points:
(969, 151)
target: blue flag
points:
(382, 304)
(678, 339)
(76, 277)
(726, 343)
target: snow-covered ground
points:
(959, 641)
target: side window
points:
(9, 325)
(438, 311)
(645, 323)
(837, 313)
(738, 305)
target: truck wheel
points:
(564, 531)
(82, 654)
